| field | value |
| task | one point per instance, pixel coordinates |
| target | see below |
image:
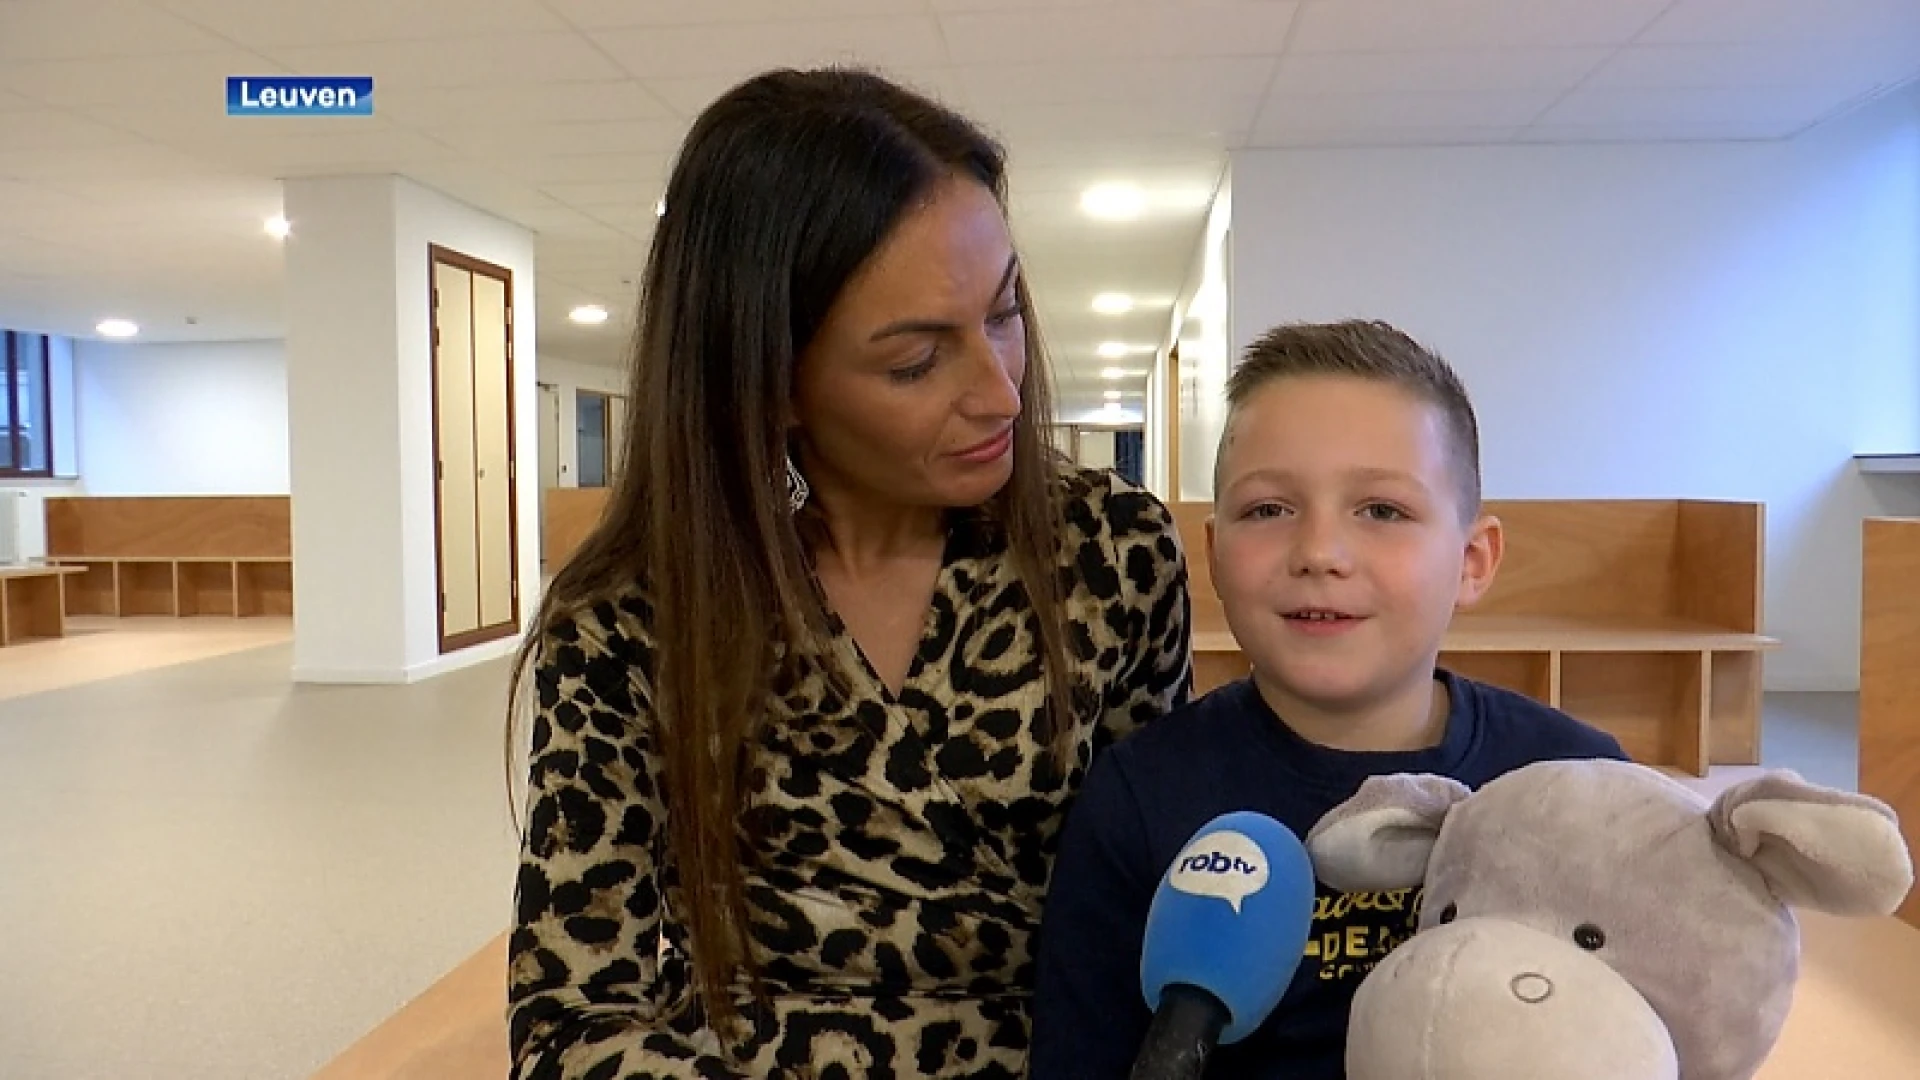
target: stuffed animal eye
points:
(1449, 913)
(1589, 937)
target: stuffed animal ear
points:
(1817, 847)
(1382, 837)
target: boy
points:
(1346, 530)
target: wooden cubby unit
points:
(264, 587)
(1639, 616)
(1890, 675)
(186, 556)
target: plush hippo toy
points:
(1597, 920)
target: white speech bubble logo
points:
(1225, 865)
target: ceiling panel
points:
(608, 14)
(564, 115)
(690, 95)
(1121, 32)
(1779, 110)
(1399, 25)
(512, 105)
(517, 59)
(75, 29)
(261, 23)
(1371, 112)
(1796, 21)
(169, 81)
(1844, 66)
(672, 52)
(1184, 81)
(497, 140)
(1436, 70)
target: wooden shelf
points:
(1640, 617)
(185, 557)
(1887, 463)
(193, 586)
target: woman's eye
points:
(912, 372)
(1001, 318)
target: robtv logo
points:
(1226, 865)
(299, 95)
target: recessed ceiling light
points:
(1113, 395)
(589, 314)
(1113, 373)
(116, 328)
(1113, 303)
(278, 226)
(660, 208)
(1113, 202)
(1113, 406)
(1112, 350)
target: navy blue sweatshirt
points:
(1148, 794)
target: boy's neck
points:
(1413, 719)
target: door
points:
(474, 471)
(590, 429)
(549, 436)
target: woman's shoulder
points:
(1102, 504)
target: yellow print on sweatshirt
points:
(1353, 932)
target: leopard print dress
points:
(905, 840)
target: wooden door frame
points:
(1173, 422)
(436, 254)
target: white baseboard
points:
(441, 665)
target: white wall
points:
(360, 380)
(1202, 317)
(422, 217)
(187, 419)
(1714, 321)
(1096, 448)
(569, 378)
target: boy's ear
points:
(1486, 544)
(1213, 571)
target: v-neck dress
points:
(904, 842)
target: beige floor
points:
(96, 649)
(208, 873)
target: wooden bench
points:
(177, 556)
(1640, 616)
(567, 515)
(1890, 675)
(1856, 1013)
(32, 604)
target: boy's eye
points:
(1265, 510)
(1384, 512)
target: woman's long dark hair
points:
(784, 187)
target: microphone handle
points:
(1185, 1030)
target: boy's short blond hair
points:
(1371, 350)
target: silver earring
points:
(797, 490)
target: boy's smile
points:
(1340, 547)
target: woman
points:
(812, 701)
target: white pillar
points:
(360, 422)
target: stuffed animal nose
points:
(1532, 988)
(1485, 999)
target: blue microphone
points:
(1228, 927)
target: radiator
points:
(23, 526)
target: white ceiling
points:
(126, 190)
